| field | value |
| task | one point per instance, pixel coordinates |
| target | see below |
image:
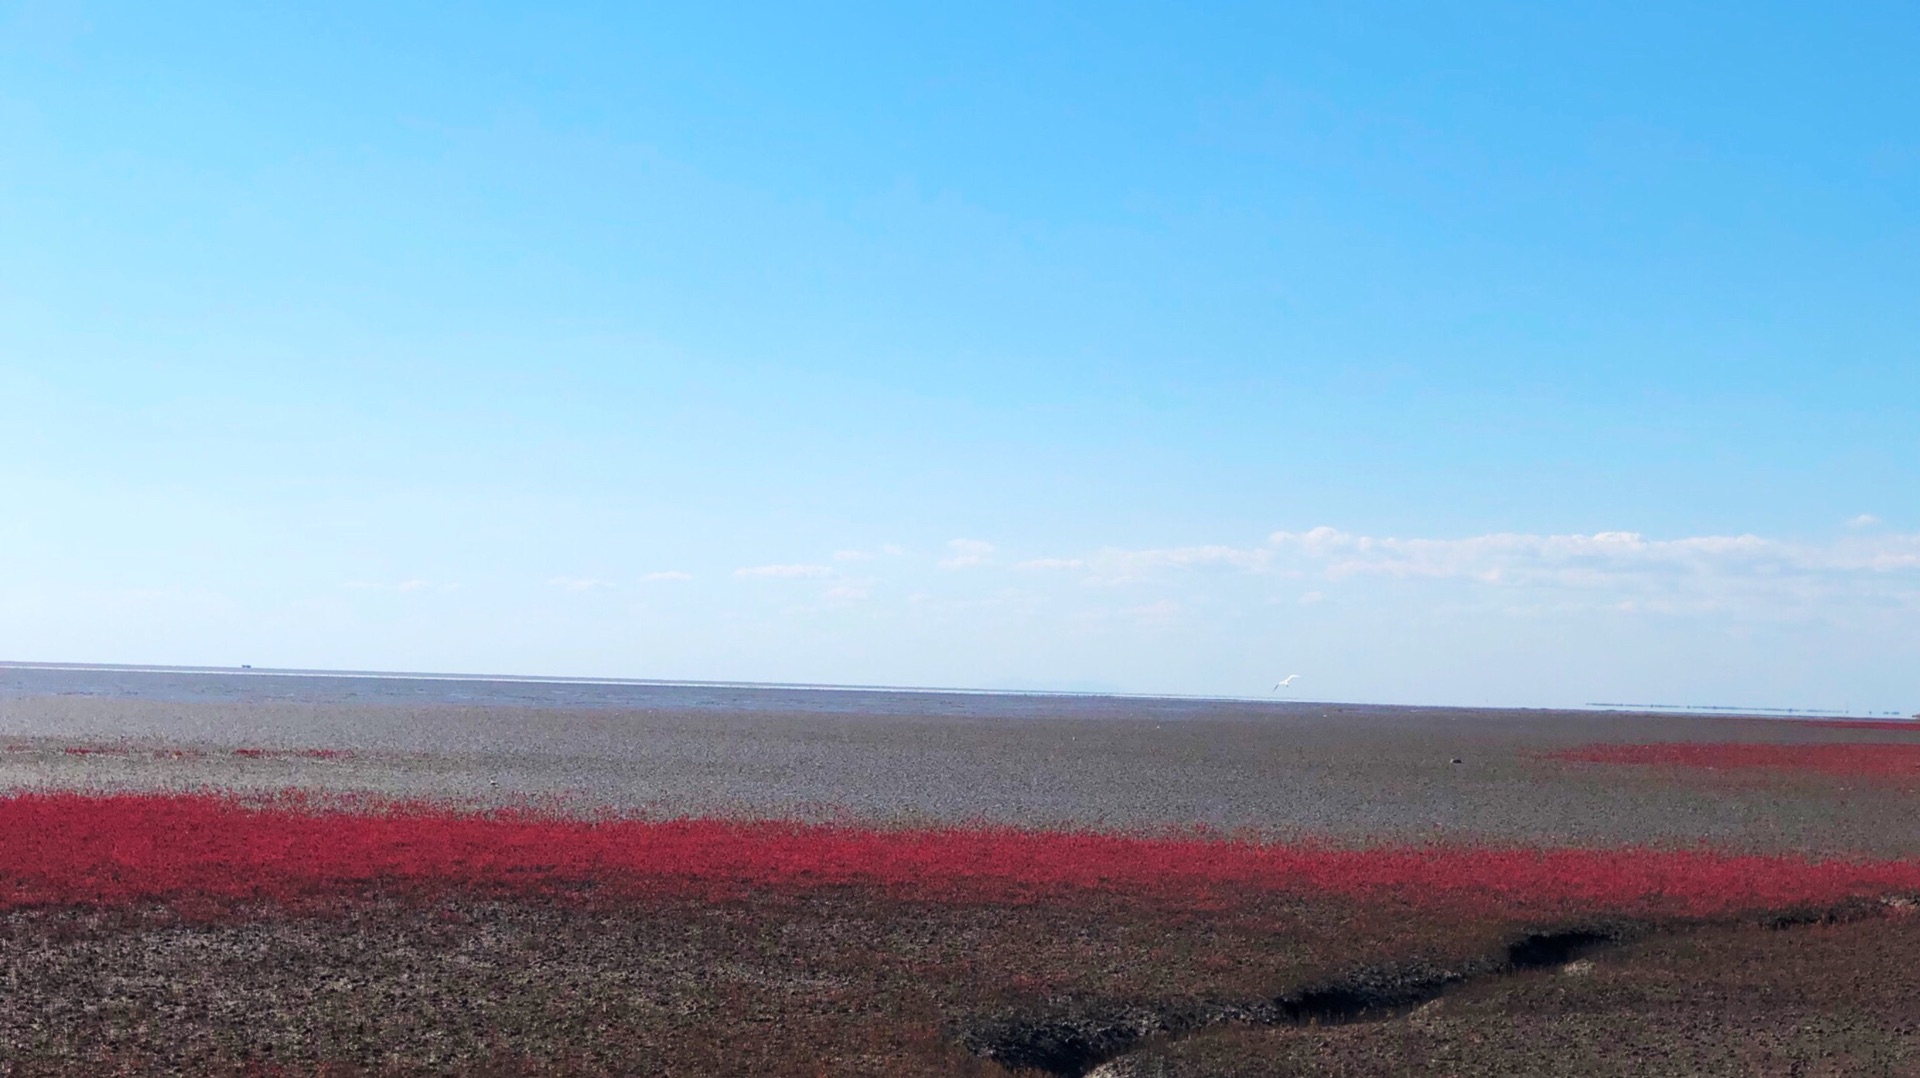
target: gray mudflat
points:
(1349, 773)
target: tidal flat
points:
(239, 872)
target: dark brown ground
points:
(1819, 1000)
(845, 983)
(848, 984)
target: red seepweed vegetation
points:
(199, 754)
(127, 849)
(1897, 760)
(293, 754)
(1910, 726)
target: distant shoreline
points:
(542, 679)
(1709, 710)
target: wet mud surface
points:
(850, 984)
(850, 981)
(1721, 1000)
(1283, 769)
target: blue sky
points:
(1516, 354)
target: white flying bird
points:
(1288, 680)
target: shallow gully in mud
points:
(1086, 1047)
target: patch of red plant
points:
(125, 849)
(196, 754)
(1901, 760)
(1907, 725)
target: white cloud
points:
(404, 586)
(1864, 520)
(579, 583)
(1619, 569)
(1693, 572)
(1114, 565)
(846, 593)
(968, 554)
(1518, 558)
(1189, 557)
(852, 555)
(671, 574)
(1053, 564)
(1155, 613)
(784, 572)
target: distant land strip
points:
(1744, 710)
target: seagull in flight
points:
(1284, 682)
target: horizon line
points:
(1701, 710)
